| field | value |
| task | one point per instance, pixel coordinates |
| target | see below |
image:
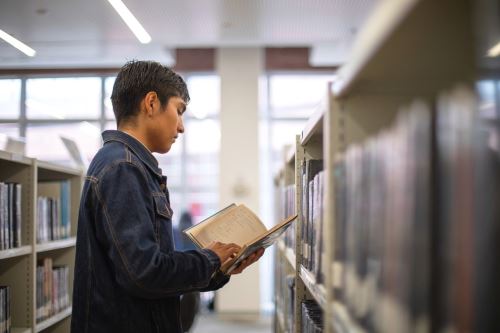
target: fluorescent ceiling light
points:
(494, 51)
(129, 18)
(17, 44)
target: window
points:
(63, 98)
(288, 101)
(10, 98)
(78, 108)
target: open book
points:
(236, 224)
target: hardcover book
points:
(236, 224)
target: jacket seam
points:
(132, 149)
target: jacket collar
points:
(136, 146)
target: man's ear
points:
(149, 101)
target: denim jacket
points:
(128, 276)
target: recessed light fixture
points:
(129, 18)
(17, 44)
(494, 51)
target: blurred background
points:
(256, 71)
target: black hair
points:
(137, 78)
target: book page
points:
(195, 229)
(237, 226)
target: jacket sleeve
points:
(124, 226)
(218, 281)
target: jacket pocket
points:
(162, 206)
(163, 222)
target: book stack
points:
(52, 289)
(290, 294)
(280, 286)
(312, 317)
(312, 210)
(382, 227)
(416, 223)
(288, 209)
(53, 221)
(467, 228)
(10, 215)
(5, 320)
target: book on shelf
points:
(312, 317)
(5, 316)
(236, 224)
(52, 289)
(288, 209)
(10, 215)
(53, 211)
(312, 213)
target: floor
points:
(213, 323)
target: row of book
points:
(417, 223)
(312, 216)
(312, 317)
(288, 209)
(285, 295)
(5, 318)
(10, 215)
(53, 214)
(52, 289)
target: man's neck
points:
(135, 135)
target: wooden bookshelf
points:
(56, 245)
(53, 320)
(20, 330)
(317, 291)
(16, 252)
(408, 50)
(18, 265)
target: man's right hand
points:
(224, 251)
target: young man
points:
(128, 276)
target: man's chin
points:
(165, 149)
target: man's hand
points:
(248, 261)
(224, 251)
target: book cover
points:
(236, 224)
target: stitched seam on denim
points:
(136, 153)
(157, 225)
(118, 162)
(113, 236)
(129, 154)
(122, 256)
(89, 285)
(92, 179)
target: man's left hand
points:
(248, 261)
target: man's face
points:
(166, 124)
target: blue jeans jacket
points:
(128, 276)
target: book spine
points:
(18, 214)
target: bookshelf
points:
(409, 54)
(18, 264)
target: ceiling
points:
(69, 33)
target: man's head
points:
(150, 98)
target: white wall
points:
(239, 70)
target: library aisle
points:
(213, 323)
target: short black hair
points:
(136, 78)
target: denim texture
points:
(128, 276)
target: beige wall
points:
(239, 70)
